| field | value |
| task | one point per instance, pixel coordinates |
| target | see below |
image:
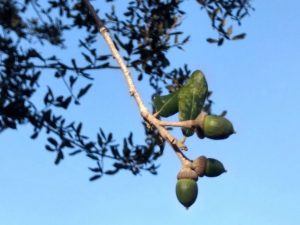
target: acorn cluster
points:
(186, 186)
(212, 127)
(189, 102)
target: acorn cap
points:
(199, 165)
(187, 173)
(200, 124)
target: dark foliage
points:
(144, 33)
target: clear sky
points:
(256, 80)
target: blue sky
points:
(256, 80)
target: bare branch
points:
(148, 117)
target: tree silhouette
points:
(143, 33)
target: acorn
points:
(217, 127)
(186, 186)
(186, 191)
(199, 165)
(213, 168)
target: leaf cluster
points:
(220, 11)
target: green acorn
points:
(186, 191)
(217, 127)
(186, 186)
(213, 168)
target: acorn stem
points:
(198, 122)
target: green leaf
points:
(191, 99)
(166, 105)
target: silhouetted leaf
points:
(84, 90)
(115, 152)
(49, 148)
(59, 157)
(111, 172)
(126, 150)
(221, 41)
(99, 139)
(96, 170)
(65, 103)
(87, 58)
(93, 178)
(34, 135)
(48, 99)
(92, 156)
(72, 80)
(52, 141)
(102, 134)
(211, 40)
(78, 129)
(75, 152)
(130, 139)
(239, 37)
(109, 138)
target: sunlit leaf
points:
(191, 99)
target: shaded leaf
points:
(166, 105)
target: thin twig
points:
(183, 124)
(56, 66)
